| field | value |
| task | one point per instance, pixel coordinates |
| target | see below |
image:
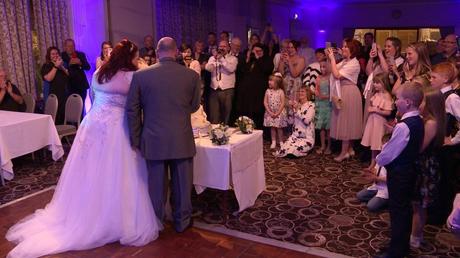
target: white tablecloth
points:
(23, 133)
(238, 165)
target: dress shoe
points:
(341, 158)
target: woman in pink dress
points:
(380, 106)
(347, 111)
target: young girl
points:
(275, 112)
(381, 105)
(323, 107)
(427, 166)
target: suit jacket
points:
(167, 94)
(77, 75)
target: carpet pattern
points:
(308, 201)
(311, 201)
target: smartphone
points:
(328, 44)
(374, 46)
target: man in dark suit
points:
(77, 64)
(167, 94)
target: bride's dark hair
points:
(121, 58)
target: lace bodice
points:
(112, 93)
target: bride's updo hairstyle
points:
(121, 58)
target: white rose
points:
(219, 134)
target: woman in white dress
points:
(102, 194)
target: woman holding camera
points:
(291, 66)
(347, 111)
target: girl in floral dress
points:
(275, 112)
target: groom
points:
(166, 94)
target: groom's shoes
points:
(183, 229)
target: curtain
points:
(185, 20)
(16, 44)
(50, 23)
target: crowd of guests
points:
(357, 94)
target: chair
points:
(51, 106)
(73, 108)
(30, 103)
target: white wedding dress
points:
(102, 195)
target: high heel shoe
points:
(340, 159)
(351, 153)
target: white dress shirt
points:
(453, 108)
(222, 72)
(399, 139)
(381, 186)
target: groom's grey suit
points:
(166, 94)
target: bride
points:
(102, 195)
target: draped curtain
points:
(50, 23)
(185, 20)
(16, 44)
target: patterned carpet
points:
(309, 201)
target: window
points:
(407, 36)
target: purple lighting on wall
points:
(321, 31)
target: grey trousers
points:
(181, 184)
(220, 105)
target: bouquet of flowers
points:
(245, 124)
(220, 135)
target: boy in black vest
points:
(398, 157)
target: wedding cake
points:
(200, 124)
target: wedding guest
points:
(251, 90)
(270, 39)
(199, 54)
(398, 156)
(57, 75)
(376, 195)
(291, 66)
(443, 77)
(106, 49)
(187, 58)
(302, 138)
(440, 46)
(275, 112)
(366, 48)
(449, 50)
(212, 43)
(222, 67)
(380, 107)
(76, 63)
(346, 116)
(10, 96)
(306, 52)
(254, 39)
(283, 49)
(453, 222)
(235, 50)
(416, 67)
(313, 70)
(224, 35)
(148, 51)
(323, 107)
(428, 167)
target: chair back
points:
(30, 103)
(51, 106)
(73, 109)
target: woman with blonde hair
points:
(416, 67)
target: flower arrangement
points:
(220, 135)
(245, 124)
